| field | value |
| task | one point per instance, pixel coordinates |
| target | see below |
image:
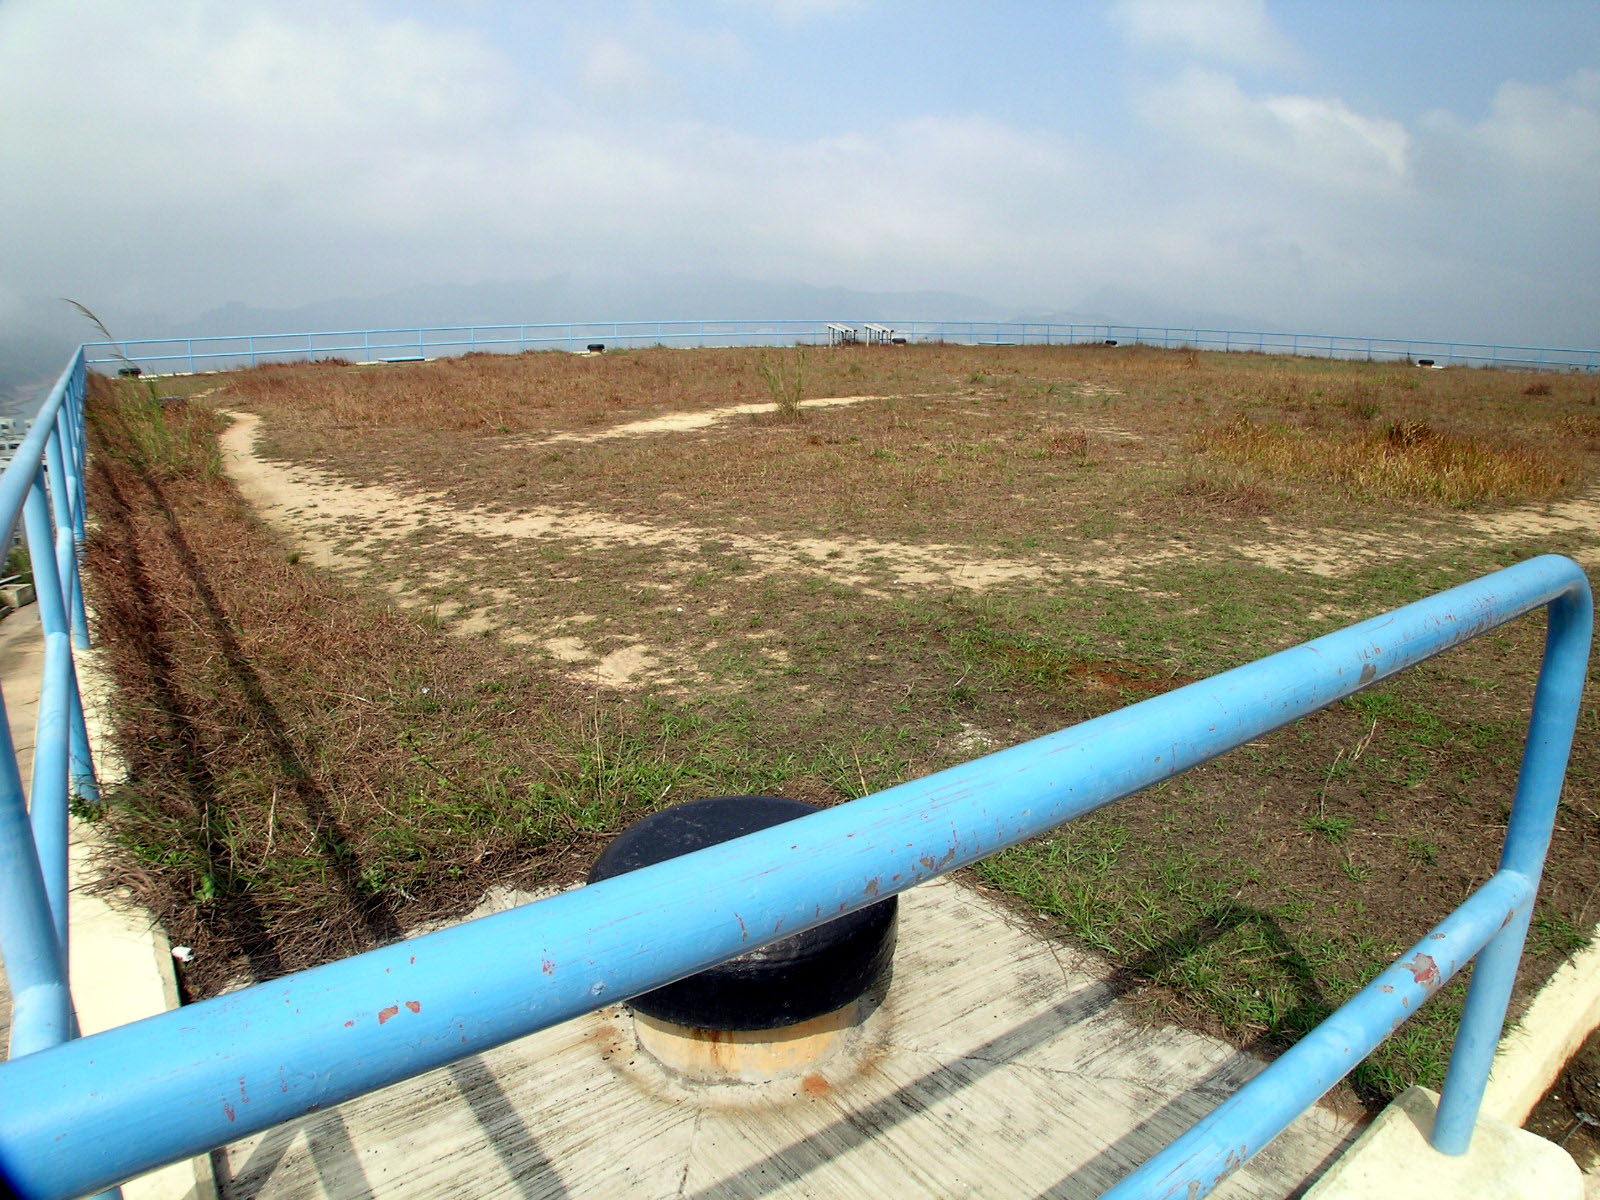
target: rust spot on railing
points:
(385, 1014)
(414, 1005)
(1424, 970)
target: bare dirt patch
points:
(684, 422)
(1345, 552)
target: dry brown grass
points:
(1001, 449)
(531, 393)
(308, 771)
(1406, 461)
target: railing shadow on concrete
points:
(191, 355)
(81, 1114)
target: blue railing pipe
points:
(43, 484)
(48, 795)
(1248, 1120)
(90, 1112)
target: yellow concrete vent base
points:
(747, 1056)
(1393, 1158)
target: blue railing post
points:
(36, 964)
(65, 538)
(77, 399)
(1544, 767)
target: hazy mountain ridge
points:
(35, 344)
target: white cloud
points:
(1315, 139)
(649, 56)
(613, 68)
(1228, 31)
(1535, 135)
(282, 157)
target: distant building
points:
(12, 431)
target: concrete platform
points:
(995, 1065)
(1393, 1158)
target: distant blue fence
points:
(173, 355)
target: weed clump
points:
(1067, 443)
(785, 382)
(163, 439)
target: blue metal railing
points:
(43, 485)
(76, 1115)
(171, 355)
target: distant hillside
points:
(33, 349)
(562, 298)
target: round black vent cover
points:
(790, 981)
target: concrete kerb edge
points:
(1533, 1054)
(122, 938)
(1393, 1157)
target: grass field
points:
(480, 613)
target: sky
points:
(1401, 168)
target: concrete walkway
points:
(998, 1063)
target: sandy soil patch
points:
(341, 526)
(1339, 554)
(688, 421)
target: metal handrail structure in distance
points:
(81, 1114)
(190, 355)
